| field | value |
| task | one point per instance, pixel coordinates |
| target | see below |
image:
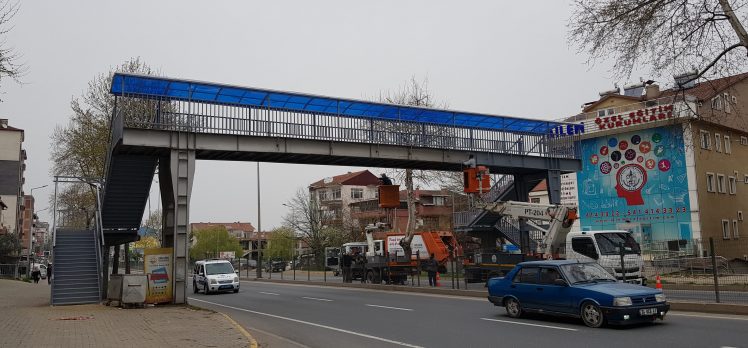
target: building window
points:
(705, 140)
(336, 193)
(728, 145)
(600, 113)
(439, 200)
(357, 193)
(709, 182)
(735, 232)
(745, 179)
(535, 200)
(322, 195)
(733, 185)
(717, 142)
(740, 215)
(717, 103)
(721, 188)
(727, 103)
(725, 229)
(743, 140)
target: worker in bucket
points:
(385, 180)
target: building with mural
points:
(668, 165)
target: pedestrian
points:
(49, 274)
(347, 260)
(432, 267)
(36, 274)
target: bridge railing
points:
(200, 117)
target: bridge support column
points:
(176, 173)
(522, 189)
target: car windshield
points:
(586, 272)
(609, 242)
(218, 268)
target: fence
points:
(12, 271)
(700, 270)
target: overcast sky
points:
(499, 57)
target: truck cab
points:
(602, 247)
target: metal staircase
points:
(75, 268)
(479, 221)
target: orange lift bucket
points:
(389, 196)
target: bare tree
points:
(676, 35)
(308, 221)
(414, 93)
(9, 65)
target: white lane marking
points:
(707, 316)
(312, 324)
(528, 324)
(397, 308)
(269, 293)
(316, 299)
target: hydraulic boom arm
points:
(561, 217)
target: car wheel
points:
(206, 289)
(513, 308)
(236, 290)
(194, 287)
(591, 315)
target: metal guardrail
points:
(186, 116)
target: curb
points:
(714, 308)
(252, 341)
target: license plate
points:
(648, 311)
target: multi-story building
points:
(335, 194)
(12, 167)
(433, 211)
(26, 221)
(668, 165)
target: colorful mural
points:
(636, 181)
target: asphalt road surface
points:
(291, 315)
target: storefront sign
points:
(567, 129)
(158, 268)
(647, 115)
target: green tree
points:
(10, 245)
(213, 240)
(281, 244)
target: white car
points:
(214, 275)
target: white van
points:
(214, 275)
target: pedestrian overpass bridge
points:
(170, 123)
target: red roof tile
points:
(362, 178)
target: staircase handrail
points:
(99, 237)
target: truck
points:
(615, 250)
(381, 260)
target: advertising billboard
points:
(158, 268)
(636, 181)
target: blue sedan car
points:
(571, 288)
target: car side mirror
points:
(560, 281)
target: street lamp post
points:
(31, 233)
(259, 226)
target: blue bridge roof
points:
(176, 89)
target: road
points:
(291, 315)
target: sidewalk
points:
(27, 319)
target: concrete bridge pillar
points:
(176, 173)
